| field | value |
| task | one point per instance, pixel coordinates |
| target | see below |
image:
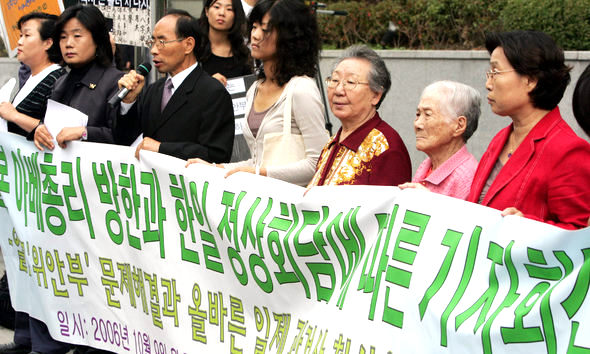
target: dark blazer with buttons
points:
(90, 97)
(198, 121)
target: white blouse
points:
(32, 82)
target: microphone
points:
(143, 69)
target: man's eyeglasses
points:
(348, 84)
(160, 43)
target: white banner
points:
(152, 257)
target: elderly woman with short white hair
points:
(446, 117)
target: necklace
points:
(511, 144)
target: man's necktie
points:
(167, 93)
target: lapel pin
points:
(92, 86)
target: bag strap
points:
(288, 107)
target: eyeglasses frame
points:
(329, 84)
(160, 43)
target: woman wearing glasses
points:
(537, 167)
(365, 150)
(284, 37)
(83, 38)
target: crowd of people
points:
(536, 167)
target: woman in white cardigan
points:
(284, 38)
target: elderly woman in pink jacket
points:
(446, 117)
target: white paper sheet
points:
(59, 116)
(239, 106)
(137, 141)
(5, 92)
(239, 130)
(235, 85)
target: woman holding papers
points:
(224, 54)
(284, 112)
(40, 53)
(36, 49)
(536, 167)
(83, 38)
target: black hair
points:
(46, 30)
(580, 103)
(536, 55)
(110, 23)
(298, 39)
(94, 21)
(187, 26)
(235, 35)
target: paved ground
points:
(6, 335)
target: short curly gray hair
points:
(379, 77)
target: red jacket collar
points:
(521, 155)
(354, 140)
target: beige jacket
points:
(307, 119)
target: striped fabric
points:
(35, 104)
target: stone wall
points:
(411, 71)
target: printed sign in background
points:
(131, 19)
(12, 10)
(150, 256)
(237, 88)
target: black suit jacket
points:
(198, 121)
(90, 97)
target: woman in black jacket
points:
(83, 38)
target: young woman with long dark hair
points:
(224, 54)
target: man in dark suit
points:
(188, 114)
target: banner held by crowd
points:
(125, 255)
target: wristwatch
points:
(84, 135)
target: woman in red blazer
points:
(536, 167)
